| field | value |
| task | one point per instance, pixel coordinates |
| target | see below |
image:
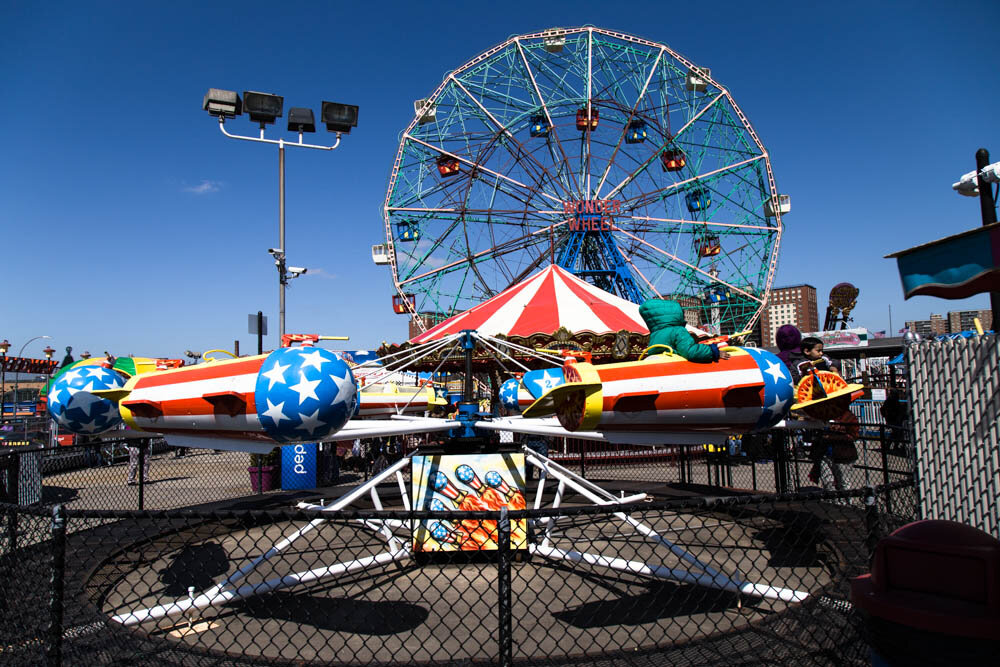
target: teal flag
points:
(954, 267)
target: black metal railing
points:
(759, 579)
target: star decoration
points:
(345, 388)
(275, 413)
(546, 382)
(69, 376)
(775, 370)
(305, 388)
(778, 406)
(85, 401)
(310, 422)
(276, 374)
(90, 426)
(314, 359)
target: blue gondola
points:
(719, 295)
(635, 133)
(407, 230)
(698, 200)
(540, 126)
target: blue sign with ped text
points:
(298, 466)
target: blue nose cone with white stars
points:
(508, 394)
(779, 393)
(76, 409)
(304, 394)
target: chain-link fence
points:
(760, 579)
(955, 394)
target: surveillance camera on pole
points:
(296, 271)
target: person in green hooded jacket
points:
(665, 321)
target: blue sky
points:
(130, 224)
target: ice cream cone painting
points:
(467, 483)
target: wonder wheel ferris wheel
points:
(609, 155)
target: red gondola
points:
(447, 165)
(673, 160)
(404, 303)
(582, 122)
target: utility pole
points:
(989, 211)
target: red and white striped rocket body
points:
(666, 393)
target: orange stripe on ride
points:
(633, 371)
(201, 372)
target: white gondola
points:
(425, 113)
(780, 203)
(554, 40)
(380, 254)
(697, 79)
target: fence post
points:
(53, 652)
(885, 468)
(780, 471)
(583, 459)
(505, 637)
(872, 532)
(14, 479)
(142, 474)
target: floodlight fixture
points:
(990, 173)
(301, 119)
(48, 351)
(4, 346)
(222, 103)
(263, 108)
(967, 185)
(339, 117)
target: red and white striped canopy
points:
(550, 299)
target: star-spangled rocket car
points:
(290, 395)
(640, 402)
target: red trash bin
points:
(933, 596)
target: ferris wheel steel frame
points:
(533, 197)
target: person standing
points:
(788, 338)
(133, 461)
(833, 451)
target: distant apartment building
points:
(789, 305)
(962, 320)
(957, 321)
(935, 326)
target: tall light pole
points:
(979, 182)
(265, 108)
(4, 346)
(16, 376)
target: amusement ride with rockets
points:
(658, 188)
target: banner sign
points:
(28, 365)
(842, 338)
(298, 466)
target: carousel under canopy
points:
(551, 310)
